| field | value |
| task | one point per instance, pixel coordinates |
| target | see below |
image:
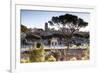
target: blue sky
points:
(37, 19)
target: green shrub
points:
(37, 55)
(51, 58)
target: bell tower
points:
(46, 26)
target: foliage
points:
(24, 28)
(37, 55)
(51, 58)
(68, 20)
